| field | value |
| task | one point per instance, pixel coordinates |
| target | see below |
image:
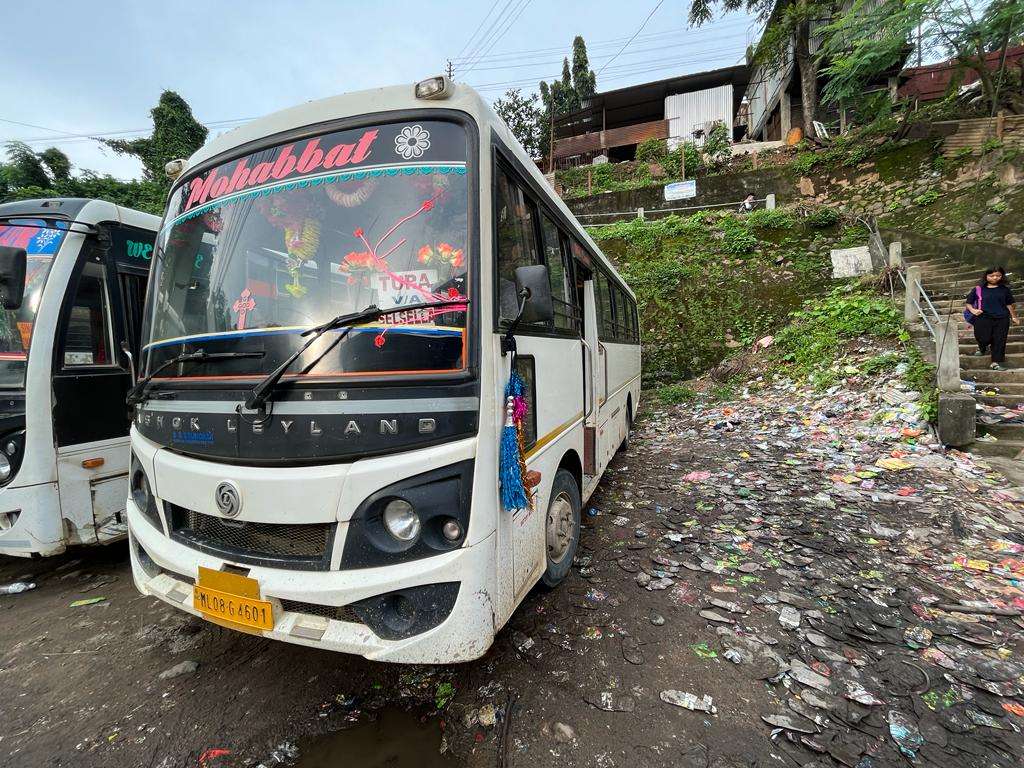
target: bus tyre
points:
(562, 528)
(624, 445)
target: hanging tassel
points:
(510, 475)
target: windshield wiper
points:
(261, 392)
(138, 393)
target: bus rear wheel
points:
(562, 528)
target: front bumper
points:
(465, 634)
(37, 526)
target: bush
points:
(738, 240)
(673, 394)
(927, 198)
(813, 338)
(716, 145)
(651, 151)
(823, 217)
(805, 162)
(771, 218)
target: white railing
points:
(643, 213)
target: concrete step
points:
(1012, 347)
(1007, 388)
(1010, 401)
(969, 363)
(1008, 448)
(988, 376)
(1013, 432)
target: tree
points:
(522, 117)
(176, 133)
(871, 37)
(57, 164)
(24, 168)
(577, 84)
(788, 29)
(584, 81)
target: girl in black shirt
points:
(992, 314)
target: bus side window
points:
(606, 309)
(87, 338)
(566, 316)
(517, 245)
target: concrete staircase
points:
(947, 282)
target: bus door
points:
(101, 309)
(593, 383)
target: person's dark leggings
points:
(991, 332)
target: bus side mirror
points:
(12, 276)
(533, 285)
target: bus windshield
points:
(256, 250)
(41, 241)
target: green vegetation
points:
(823, 217)
(673, 394)
(816, 334)
(651, 151)
(920, 375)
(176, 133)
(709, 281)
(926, 198)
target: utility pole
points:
(451, 71)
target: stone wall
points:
(711, 191)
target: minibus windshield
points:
(41, 241)
(259, 249)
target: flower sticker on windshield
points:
(412, 141)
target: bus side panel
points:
(618, 365)
(555, 399)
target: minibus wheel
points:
(562, 528)
(624, 445)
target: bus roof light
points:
(174, 168)
(438, 87)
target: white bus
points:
(73, 274)
(317, 436)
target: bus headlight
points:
(419, 516)
(142, 494)
(401, 520)
(438, 87)
(12, 447)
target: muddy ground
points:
(747, 506)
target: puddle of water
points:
(396, 739)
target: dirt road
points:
(791, 556)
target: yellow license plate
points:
(231, 598)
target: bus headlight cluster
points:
(12, 446)
(401, 520)
(418, 516)
(142, 494)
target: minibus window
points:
(87, 339)
(561, 293)
(41, 242)
(517, 244)
(260, 248)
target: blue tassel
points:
(513, 493)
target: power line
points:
(478, 28)
(485, 38)
(611, 43)
(635, 52)
(95, 136)
(512, 20)
(639, 29)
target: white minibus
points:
(73, 274)
(329, 446)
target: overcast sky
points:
(98, 66)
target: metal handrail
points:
(920, 309)
(673, 210)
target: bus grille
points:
(283, 545)
(343, 613)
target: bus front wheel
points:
(562, 528)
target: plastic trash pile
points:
(872, 580)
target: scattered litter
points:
(689, 701)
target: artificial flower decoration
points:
(301, 243)
(412, 141)
(358, 266)
(441, 255)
